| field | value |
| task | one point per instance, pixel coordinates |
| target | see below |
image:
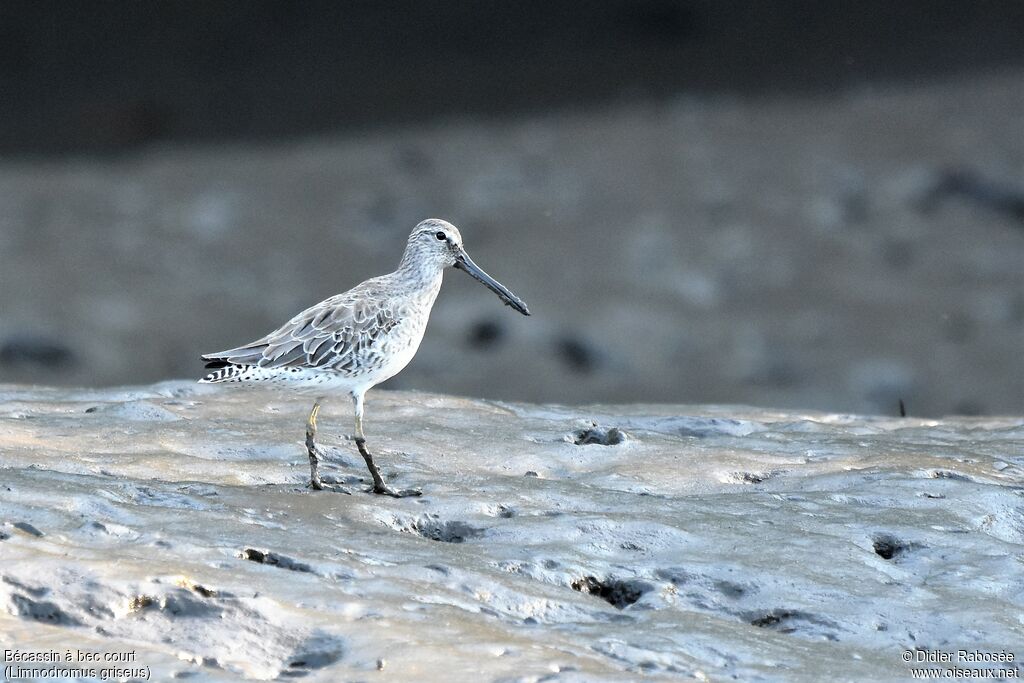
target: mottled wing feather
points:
(341, 333)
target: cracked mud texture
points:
(717, 542)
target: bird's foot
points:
(331, 484)
(385, 490)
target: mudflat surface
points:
(598, 543)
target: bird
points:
(350, 342)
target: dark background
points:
(102, 77)
(791, 204)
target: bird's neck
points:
(419, 275)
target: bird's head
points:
(435, 243)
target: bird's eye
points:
(439, 235)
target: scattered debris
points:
(432, 528)
(28, 529)
(617, 593)
(888, 547)
(599, 435)
(275, 560)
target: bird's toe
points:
(396, 493)
(328, 484)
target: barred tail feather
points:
(225, 372)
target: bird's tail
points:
(224, 371)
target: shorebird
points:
(356, 340)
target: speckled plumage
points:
(357, 339)
(361, 337)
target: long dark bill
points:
(465, 263)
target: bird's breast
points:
(394, 349)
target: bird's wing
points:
(329, 335)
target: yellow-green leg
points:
(314, 457)
(314, 454)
